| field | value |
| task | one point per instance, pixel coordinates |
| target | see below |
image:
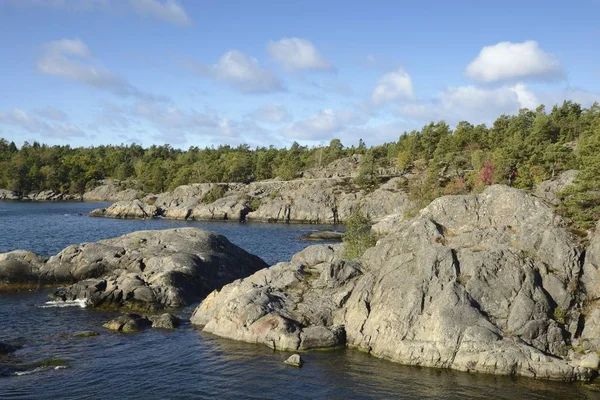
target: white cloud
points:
(241, 72)
(393, 86)
(274, 113)
(297, 54)
(168, 10)
(72, 59)
(30, 123)
(472, 103)
(322, 125)
(507, 61)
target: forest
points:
(518, 150)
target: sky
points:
(211, 72)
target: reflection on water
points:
(187, 363)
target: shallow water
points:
(187, 363)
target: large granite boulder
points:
(146, 269)
(286, 307)
(482, 283)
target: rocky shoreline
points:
(309, 201)
(491, 283)
(106, 192)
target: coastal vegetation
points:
(518, 150)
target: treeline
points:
(520, 150)
(36, 167)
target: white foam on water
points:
(39, 369)
(69, 303)
(31, 371)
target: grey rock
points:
(164, 321)
(311, 201)
(20, 269)
(590, 360)
(126, 209)
(481, 283)
(110, 192)
(8, 195)
(294, 360)
(128, 323)
(323, 236)
(591, 266)
(146, 269)
(548, 190)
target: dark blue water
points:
(186, 363)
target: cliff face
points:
(485, 283)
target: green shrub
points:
(213, 195)
(254, 204)
(358, 236)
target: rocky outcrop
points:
(481, 283)
(45, 195)
(321, 201)
(286, 307)
(146, 269)
(590, 283)
(549, 189)
(110, 192)
(127, 209)
(8, 195)
(19, 270)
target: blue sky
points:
(273, 72)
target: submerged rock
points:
(6, 348)
(294, 360)
(128, 323)
(324, 236)
(85, 334)
(164, 321)
(481, 283)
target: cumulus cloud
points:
(322, 125)
(170, 11)
(30, 123)
(297, 54)
(274, 113)
(483, 105)
(72, 59)
(242, 73)
(472, 103)
(393, 86)
(507, 61)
